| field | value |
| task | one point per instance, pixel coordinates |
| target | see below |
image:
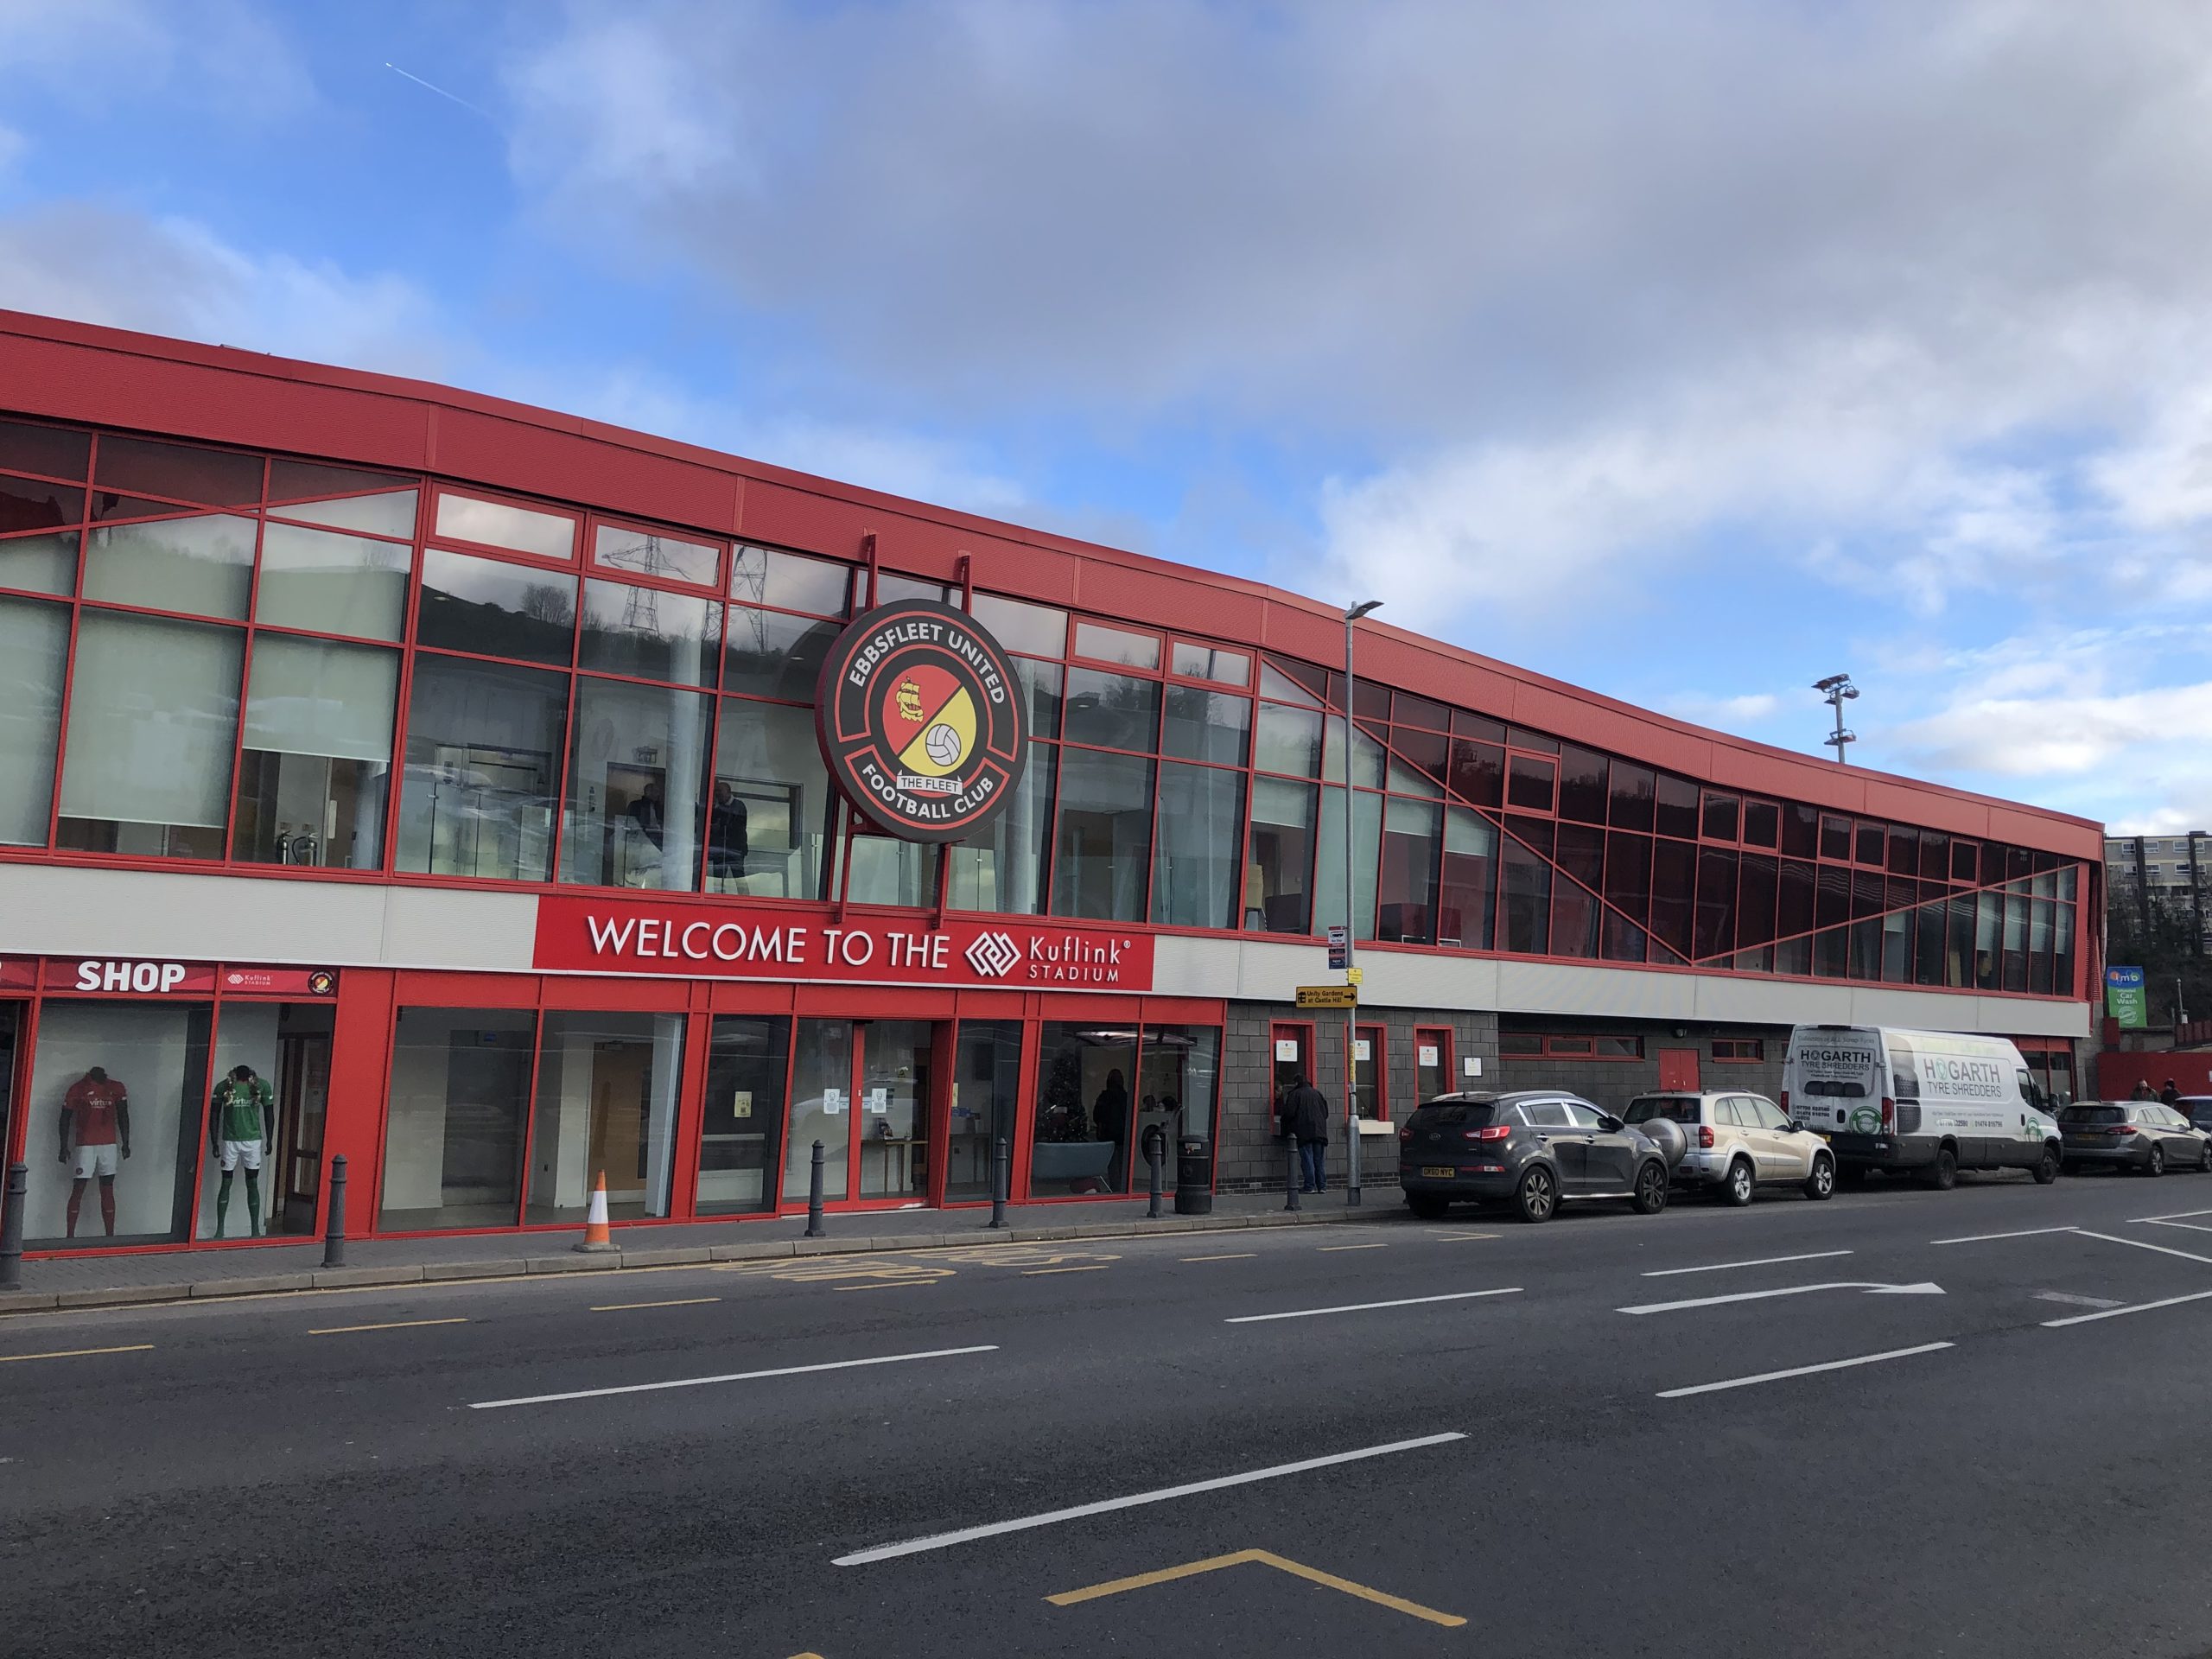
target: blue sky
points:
(1687, 351)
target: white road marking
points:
(1926, 1287)
(2137, 1243)
(2160, 1221)
(732, 1376)
(2077, 1302)
(1808, 1370)
(1053, 1517)
(2176, 1215)
(1983, 1238)
(1757, 1262)
(1362, 1307)
(2115, 1312)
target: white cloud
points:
(221, 55)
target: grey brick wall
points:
(1613, 1084)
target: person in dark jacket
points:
(1305, 1120)
(2170, 1094)
(1109, 1116)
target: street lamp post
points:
(1352, 918)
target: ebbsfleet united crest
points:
(921, 721)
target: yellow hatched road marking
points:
(1263, 1558)
(681, 1301)
(78, 1353)
(395, 1325)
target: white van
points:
(1932, 1102)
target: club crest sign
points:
(920, 718)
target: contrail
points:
(442, 91)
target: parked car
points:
(2132, 1134)
(1535, 1148)
(1737, 1140)
(2198, 1109)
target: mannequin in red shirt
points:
(95, 1131)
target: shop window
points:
(1084, 1114)
(1102, 850)
(484, 747)
(1196, 661)
(1037, 630)
(986, 1096)
(203, 567)
(41, 564)
(455, 1126)
(1432, 1074)
(1103, 644)
(326, 582)
(53, 450)
(1582, 785)
(261, 1169)
(1371, 1089)
(1634, 794)
(153, 717)
(1207, 725)
(605, 1106)
(1674, 807)
(214, 478)
(317, 757)
(1112, 711)
(1280, 870)
(888, 871)
(1367, 753)
(1329, 874)
(490, 609)
(768, 654)
(1576, 926)
(1195, 860)
(770, 813)
(342, 497)
(1179, 1085)
(1525, 899)
(1003, 866)
(650, 634)
(742, 1121)
(1628, 894)
(1762, 823)
(502, 523)
(117, 1116)
(28, 503)
(1723, 817)
(638, 789)
(1289, 741)
(34, 658)
(1466, 895)
(790, 582)
(1738, 1051)
(1411, 832)
(1520, 1046)
(653, 553)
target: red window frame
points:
(1441, 1036)
(1377, 1039)
(1726, 1051)
(1575, 1046)
(438, 489)
(713, 587)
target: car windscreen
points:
(1457, 1114)
(2094, 1115)
(1676, 1109)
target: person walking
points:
(2141, 1091)
(1305, 1120)
(2170, 1094)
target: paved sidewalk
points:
(90, 1280)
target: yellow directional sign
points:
(1263, 1558)
(1328, 996)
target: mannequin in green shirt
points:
(240, 1127)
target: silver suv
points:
(1737, 1140)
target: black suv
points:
(1534, 1146)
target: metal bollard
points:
(11, 1227)
(1002, 1181)
(1155, 1148)
(1290, 1165)
(814, 1227)
(333, 1233)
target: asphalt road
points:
(381, 1472)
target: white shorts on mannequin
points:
(95, 1160)
(241, 1152)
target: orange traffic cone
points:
(596, 1235)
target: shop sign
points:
(920, 720)
(2127, 998)
(282, 982)
(18, 973)
(1328, 996)
(128, 976)
(713, 941)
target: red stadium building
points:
(502, 799)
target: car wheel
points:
(1427, 1205)
(1538, 1194)
(1944, 1174)
(2156, 1163)
(2207, 1164)
(1650, 1195)
(1821, 1183)
(2047, 1168)
(1738, 1184)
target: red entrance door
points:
(1678, 1068)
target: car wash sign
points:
(2126, 999)
(714, 941)
(920, 720)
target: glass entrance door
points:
(891, 1130)
(985, 1097)
(822, 1091)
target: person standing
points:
(1110, 1117)
(2170, 1094)
(1305, 1120)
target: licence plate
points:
(1439, 1172)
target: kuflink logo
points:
(994, 955)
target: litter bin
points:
(1193, 1176)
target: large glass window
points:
(1289, 741)
(1526, 900)
(648, 553)
(453, 1138)
(1207, 725)
(115, 1121)
(741, 1125)
(484, 744)
(893, 1108)
(261, 1166)
(1017, 625)
(153, 715)
(1411, 830)
(1003, 866)
(317, 759)
(1103, 849)
(353, 500)
(201, 566)
(638, 791)
(1195, 858)
(985, 1089)
(1329, 863)
(1115, 711)
(34, 657)
(770, 812)
(1178, 1081)
(605, 1106)
(502, 523)
(1467, 894)
(790, 582)
(769, 654)
(492, 609)
(888, 871)
(648, 633)
(332, 583)
(1084, 1114)
(821, 1087)
(1279, 874)
(43, 565)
